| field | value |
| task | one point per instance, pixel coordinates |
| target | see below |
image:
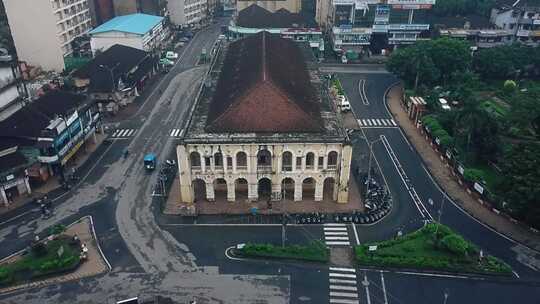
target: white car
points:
(222, 37)
(171, 55)
(343, 103)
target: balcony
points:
(408, 27)
(331, 167)
(264, 168)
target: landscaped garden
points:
(489, 121)
(57, 255)
(315, 252)
(433, 247)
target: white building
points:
(522, 18)
(43, 30)
(140, 31)
(266, 131)
(12, 89)
(187, 12)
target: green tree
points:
(450, 56)
(525, 111)
(519, 186)
(455, 244)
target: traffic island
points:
(68, 253)
(313, 252)
(433, 247)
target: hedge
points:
(315, 251)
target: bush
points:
(509, 86)
(39, 249)
(473, 175)
(57, 229)
(455, 244)
(312, 252)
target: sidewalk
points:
(174, 206)
(448, 182)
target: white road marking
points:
(335, 233)
(359, 122)
(116, 132)
(364, 121)
(340, 281)
(355, 234)
(384, 122)
(339, 287)
(130, 132)
(335, 224)
(338, 243)
(393, 122)
(383, 286)
(344, 294)
(335, 228)
(342, 269)
(378, 122)
(172, 132)
(366, 286)
(342, 275)
(336, 238)
(344, 301)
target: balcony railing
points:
(241, 167)
(264, 168)
(331, 167)
(287, 168)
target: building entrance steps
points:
(174, 205)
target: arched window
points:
(264, 160)
(286, 161)
(310, 161)
(195, 160)
(241, 161)
(332, 160)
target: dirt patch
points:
(341, 256)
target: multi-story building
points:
(293, 6)
(140, 31)
(355, 25)
(521, 17)
(265, 130)
(298, 27)
(12, 88)
(40, 139)
(46, 40)
(186, 13)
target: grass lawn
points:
(421, 249)
(315, 251)
(42, 261)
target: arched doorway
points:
(264, 189)
(241, 189)
(199, 190)
(328, 189)
(220, 189)
(264, 160)
(287, 188)
(308, 189)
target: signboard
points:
(72, 152)
(372, 248)
(343, 2)
(536, 21)
(10, 177)
(478, 188)
(411, 6)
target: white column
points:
(231, 195)
(253, 194)
(319, 191)
(297, 191)
(304, 158)
(224, 162)
(234, 160)
(325, 162)
(335, 191)
(212, 164)
(210, 192)
(203, 163)
(293, 163)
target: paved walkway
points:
(94, 265)
(449, 183)
(221, 206)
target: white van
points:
(343, 103)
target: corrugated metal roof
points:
(134, 23)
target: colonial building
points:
(263, 128)
(255, 19)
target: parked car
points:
(183, 39)
(343, 103)
(171, 55)
(222, 37)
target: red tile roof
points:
(264, 86)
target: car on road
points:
(343, 103)
(150, 160)
(222, 37)
(184, 39)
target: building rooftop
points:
(134, 23)
(29, 121)
(260, 89)
(119, 59)
(255, 16)
(472, 21)
(521, 4)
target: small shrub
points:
(455, 244)
(57, 229)
(39, 249)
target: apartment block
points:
(187, 12)
(44, 29)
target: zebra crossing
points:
(343, 285)
(176, 132)
(377, 123)
(336, 234)
(123, 133)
